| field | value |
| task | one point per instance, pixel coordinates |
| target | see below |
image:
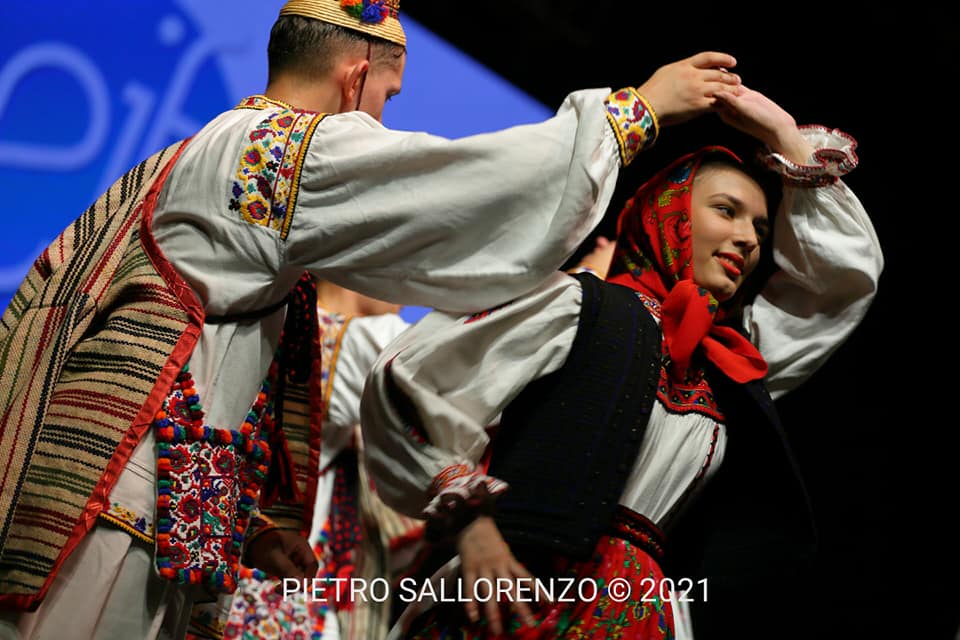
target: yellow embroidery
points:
(664, 198)
(633, 122)
(267, 180)
(130, 521)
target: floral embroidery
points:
(267, 180)
(261, 609)
(603, 616)
(130, 521)
(207, 485)
(633, 121)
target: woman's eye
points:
(727, 211)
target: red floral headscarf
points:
(654, 255)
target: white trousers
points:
(106, 590)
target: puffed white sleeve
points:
(829, 259)
(364, 337)
(461, 224)
(434, 391)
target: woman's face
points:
(728, 223)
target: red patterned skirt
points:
(622, 561)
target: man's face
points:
(384, 80)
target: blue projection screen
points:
(88, 89)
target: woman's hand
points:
(685, 89)
(485, 554)
(757, 115)
(598, 261)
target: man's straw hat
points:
(374, 17)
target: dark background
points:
(874, 429)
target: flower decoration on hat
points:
(366, 11)
(378, 18)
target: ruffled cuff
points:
(633, 121)
(833, 156)
(458, 495)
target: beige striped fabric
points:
(83, 344)
(293, 514)
(389, 542)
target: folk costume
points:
(151, 323)
(619, 401)
(353, 533)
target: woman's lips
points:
(732, 264)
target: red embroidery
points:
(208, 482)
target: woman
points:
(618, 408)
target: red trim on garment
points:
(484, 463)
(638, 530)
(846, 160)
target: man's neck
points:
(321, 97)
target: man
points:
(151, 323)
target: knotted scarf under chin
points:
(687, 321)
(654, 255)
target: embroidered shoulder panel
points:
(267, 179)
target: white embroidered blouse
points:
(263, 193)
(460, 375)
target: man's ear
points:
(351, 79)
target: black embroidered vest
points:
(567, 443)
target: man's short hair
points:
(310, 48)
